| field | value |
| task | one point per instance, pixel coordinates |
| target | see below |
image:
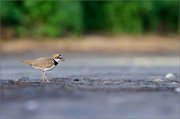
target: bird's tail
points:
(26, 62)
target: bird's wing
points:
(42, 62)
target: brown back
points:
(45, 62)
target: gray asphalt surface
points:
(88, 86)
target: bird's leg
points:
(45, 76)
(42, 77)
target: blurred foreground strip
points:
(123, 44)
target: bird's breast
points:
(50, 68)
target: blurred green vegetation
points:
(30, 18)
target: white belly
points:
(46, 69)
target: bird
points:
(45, 64)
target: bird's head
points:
(57, 57)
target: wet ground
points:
(88, 86)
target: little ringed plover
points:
(45, 64)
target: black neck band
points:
(55, 62)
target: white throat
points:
(57, 60)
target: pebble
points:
(169, 75)
(107, 82)
(16, 80)
(76, 79)
(177, 90)
(174, 83)
(158, 80)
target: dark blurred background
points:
(30, 18)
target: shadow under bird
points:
(45, 64)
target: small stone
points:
(107, 82)
(158, 80)
(177, 90)
(76, 79)
(174, 83)
(169, 75)
(16, 80)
